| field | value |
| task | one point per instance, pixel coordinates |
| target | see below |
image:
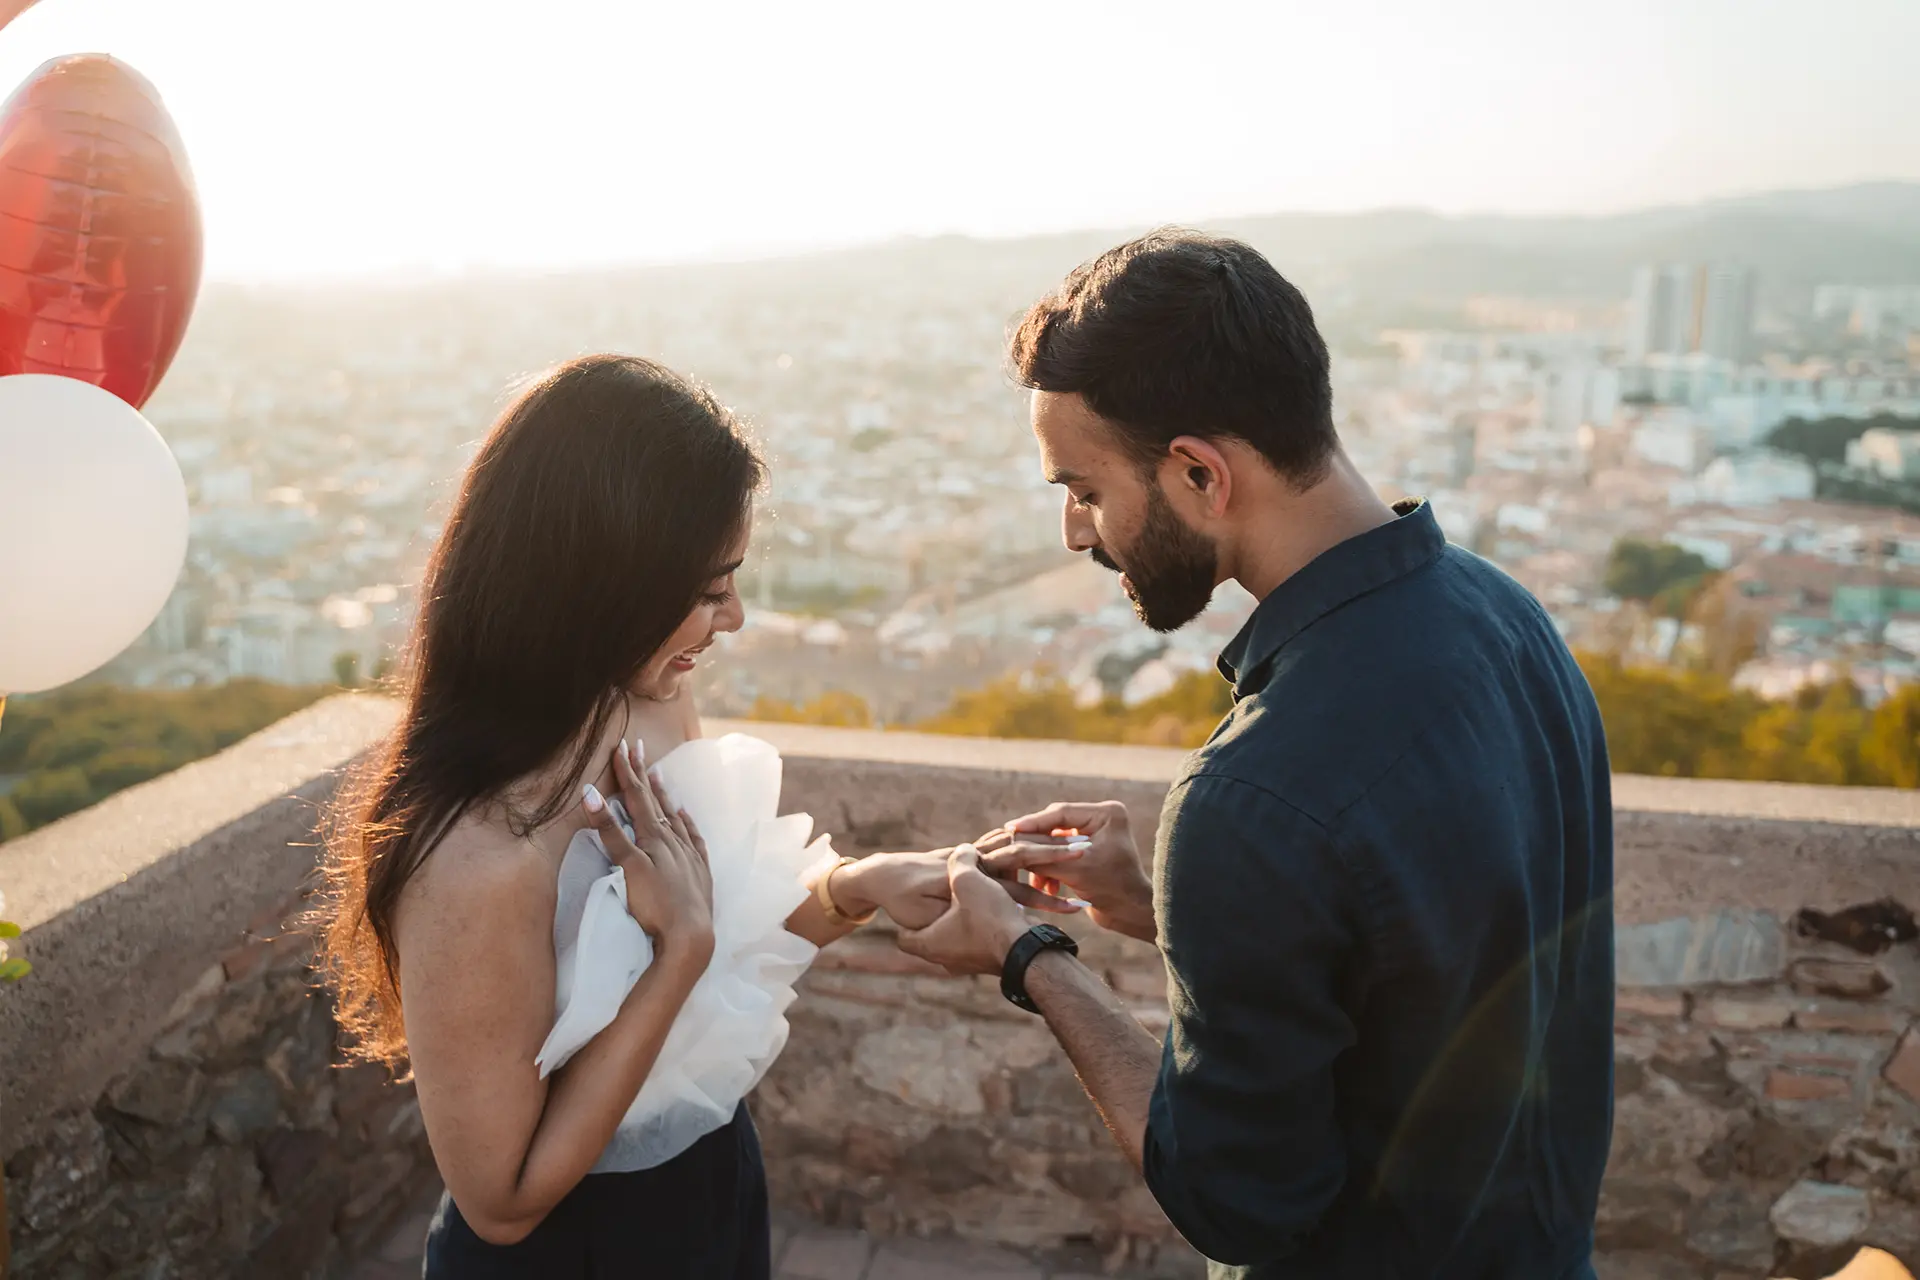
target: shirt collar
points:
(1333, 578)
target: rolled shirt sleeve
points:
(1243, 1148)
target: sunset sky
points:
(370, 135)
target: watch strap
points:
(1020, 957)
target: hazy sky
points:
(364, 135)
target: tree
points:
(1890, 750)
(78, 745)
(52, 794)
(346, 670)
(1826, 439)
(835, 707)
(1656, 573)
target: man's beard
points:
(1169, 566)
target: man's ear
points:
(1201, 473)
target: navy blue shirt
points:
(1383, 890)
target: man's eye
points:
(1083, 500)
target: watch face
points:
(1054, 934)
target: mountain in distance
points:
(1362, 271)
(1867, 233)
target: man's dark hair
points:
(1179, 333)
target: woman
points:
(587, 565)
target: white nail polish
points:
(591, 797)
(1079, 846)
(1081, 903)
(638, 755)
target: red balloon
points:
(99, 228)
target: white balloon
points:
(93, 528)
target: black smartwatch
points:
(1013, 974)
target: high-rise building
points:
(1660, 315)
(1726, 313)
(1677, 309)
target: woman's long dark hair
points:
(600, 507)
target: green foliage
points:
(1660, 720)
(346, 670)
(12, 968)
(835, 707)
(1660, 573)
(1890, 751)
(1042, 706)
(1826, 439)
(65, 750)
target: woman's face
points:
(718, 609)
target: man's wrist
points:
(1006, 933)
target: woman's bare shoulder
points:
(481, 876)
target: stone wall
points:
(169, 1104)
(170, 1099)
(1768, 1060)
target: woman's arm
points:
(477, 976)
(912, 888)
(477, 982)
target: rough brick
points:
(245, 959)
(1727, 948)
(1745, 1013)
(1903, 1068)
(1821, 1213)
(1863, 1019)
(1651, 1004)
(1842, 979)
(1797, 1086)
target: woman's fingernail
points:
(638, 754)
(591, 797)
(1079, 846)
(1078, 904)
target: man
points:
(1382, 887)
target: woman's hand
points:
(914, 889)
(669, 885)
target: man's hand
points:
(1089, 849)
(913, 888)
(980, 926)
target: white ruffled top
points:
(734, 1024)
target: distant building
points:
(1679, 309)
(1660, 312)
(1464, 442)
(1755, 479)
(1574, 393)
(1727, 297)
(1892, 454)
(1673, 437)
(1871, 311)
(1742, 406)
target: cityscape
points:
(1737, 381)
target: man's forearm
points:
(1116, 1058)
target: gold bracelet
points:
(822, 892)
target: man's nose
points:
(1076, 530)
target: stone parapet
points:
(171, 1101)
